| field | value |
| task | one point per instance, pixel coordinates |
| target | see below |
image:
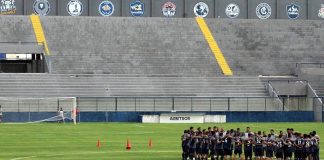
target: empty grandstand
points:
(132, 64)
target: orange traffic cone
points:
(128, 145)
(98, 144)
(150, 143)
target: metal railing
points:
(313, 64)
(273, 93)
(191, 104)
(160, 104)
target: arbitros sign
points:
(181, 118)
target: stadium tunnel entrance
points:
(22, 58)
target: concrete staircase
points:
(128, 46)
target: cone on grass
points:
(128, 145)
(150, 143)
(98, 144)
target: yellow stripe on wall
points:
(39, 33)
(214, 47)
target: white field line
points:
(138, 125)
(92, 152)
(20, 158)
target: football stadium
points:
(161, 79)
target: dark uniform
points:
(227, 146)
(299, 143)
(279, 149)
(258, 146)
(205, 145)
(307, 148)
(185, 145)
(212, 146)
(199, 144)
(269, 148)
(219, 147)
(288, 148)
(193, 146)
(248, 148)
(315, 148)
(238, 146)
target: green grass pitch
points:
(54, 141)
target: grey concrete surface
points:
(58, 85)
(271, 47)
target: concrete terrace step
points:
(140, 85)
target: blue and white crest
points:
(263, 11)
(137, 8)
(292, 11)
(41, 7)
(74, 7)
(106, 8)
(201, 9)
(7, 7)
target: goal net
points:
(41, 109)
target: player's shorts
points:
(219, 152)
(205, 151)
(258, 152)
(199, 150)
(212, 151)
(269, 153)
(315, 152)
(228, 152)
(279, 155)
(288, 154)
(238, 151)
(192, 150)
(298, 153)
(248, 153)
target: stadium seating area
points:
(113, 57)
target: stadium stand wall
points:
(308, 9)
(303, 116)
(172, 46)
(292, 116)
(100, 57)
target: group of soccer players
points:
(218, 144)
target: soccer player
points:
(273, 135)
(238, 146)
(61, 114)
(279, 148)
(269, 147)
(219, 144)
(316, 139)
(299, 143)
(247, 132)
(193, 145)
(205, 145)
(227, 145)
(307, 147)
(199, 135)
(264, 145)
(248, 147)
(258, 146)
(185, 144)
(213, 142)
(288, 149)
(0, 114)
